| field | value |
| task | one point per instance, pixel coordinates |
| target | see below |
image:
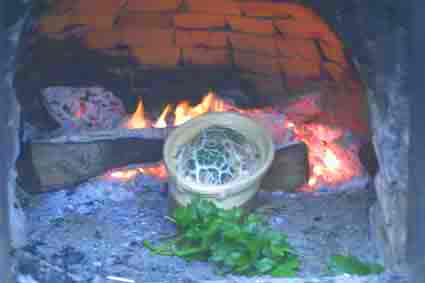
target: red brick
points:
(102, 39)
(298, 71)
(333, 50)
(153, 5)
(217, 7)
(336, 72)
(53, 24)
(163, 56)
(95, 22)
(98, 7)
(283, 10)
(265, 45)
(251, 62)
(330, 45)
(251, 25)
(145, 20)
(192, 38)
(206, 56)
(136, 36)
(307, 29)
(199, 21)
(303, 48)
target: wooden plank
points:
(289, 169)
(48, 166)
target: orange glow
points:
(138, 120)
(210, 103)
(181, 113)
(124, 175)
(330, 163)
(162, 120)
(158, 171)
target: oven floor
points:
(98, 230)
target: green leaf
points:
(287, 269)
(232, 232)
(162, 250)
(184, 217)
(283, 271)
(352, 265)
(205, 209)
(264, 265)
(232, 259)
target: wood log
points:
(289, 169)
(64, 161)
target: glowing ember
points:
(330, 163)
(124, 175)
(158, 171)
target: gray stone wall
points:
(390, 124)
(375, 34)
(11, 217)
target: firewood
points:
(289, 169)
(66, 161)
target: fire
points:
(183, 112)
(138, 120)
(162, 120)
(330, 163)
(157, 170)
(125, 175)
(210, 103)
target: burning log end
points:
(289, 170)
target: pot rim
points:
(228, 119)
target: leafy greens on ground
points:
(236, 243)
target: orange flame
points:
(162, 120)
(124, 175)
(158, 171)
(330, 162)
(138, 120)
(210, 103)
(182, 113)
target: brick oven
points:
(100, 84)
